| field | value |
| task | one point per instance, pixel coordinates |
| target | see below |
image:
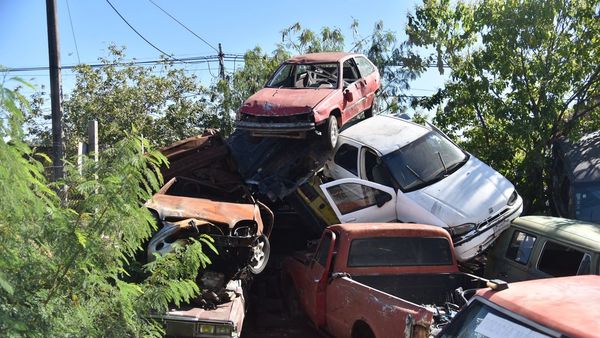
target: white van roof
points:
(385, 133)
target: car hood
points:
(219, 212)
(471, 194)
(284, 101)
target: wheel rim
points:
(258, 254)
(333, 131)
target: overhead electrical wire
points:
(184, 26)
(139, 34)
(186, 60)
(73, 31)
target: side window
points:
(364, 66)
(323, 250)
(350, 197)
(347, 157)
(350, 72)
(559, 261)
(520, 247)
(374, 169)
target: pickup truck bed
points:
(431, 289)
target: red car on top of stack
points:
(312, 92)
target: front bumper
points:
(475, 242)
(275, 127)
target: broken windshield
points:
(424, 161)
(310, 75)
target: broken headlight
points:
(513, 198)
(461, 229)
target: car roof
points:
(582, 158)
(566, 304)
(580, 233)
(387, 229)
(320, 57)
(385, 133)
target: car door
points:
(353, 99)
(513, 255)
(355, 201)
(369, 79)
(313, 295)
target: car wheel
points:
(331, 132)
(259, 254)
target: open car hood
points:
(218, 212)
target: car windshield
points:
(309, 75)
(587, 201)
(479, 320)
(424, 161)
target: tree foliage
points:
(64, 263)
(522, 75)
(161, 102)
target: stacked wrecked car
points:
(288, 156)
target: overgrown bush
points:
(63, 262)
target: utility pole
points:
(221, 63)
(55, 89)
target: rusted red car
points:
(378, 280)
(550, 307)
(318, 91)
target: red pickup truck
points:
(378, 280)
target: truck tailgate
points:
(349, 301)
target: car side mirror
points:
(382, 198)
(348, 95)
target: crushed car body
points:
(205, 194)
(318, 91)
(411, 173)
(240, 235)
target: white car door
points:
(356, 201)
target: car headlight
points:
(513, 198)
(461, 229)
(207, 328)
(223, 330)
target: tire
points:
(331, 132)
(259, 254)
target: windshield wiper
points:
(414, 173)
(443, 164)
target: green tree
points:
(63, 264)
(522, 74)
(162, 102)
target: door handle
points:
(350, 220)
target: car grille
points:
(498, 217)
(276, 119)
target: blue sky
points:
(238, 25)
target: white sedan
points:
(388, 169)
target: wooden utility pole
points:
(221, 63)
(55, 89)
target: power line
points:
(187, 61)
(184, 26)
(138, 33)
(73, 31)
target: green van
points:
(542, 246)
